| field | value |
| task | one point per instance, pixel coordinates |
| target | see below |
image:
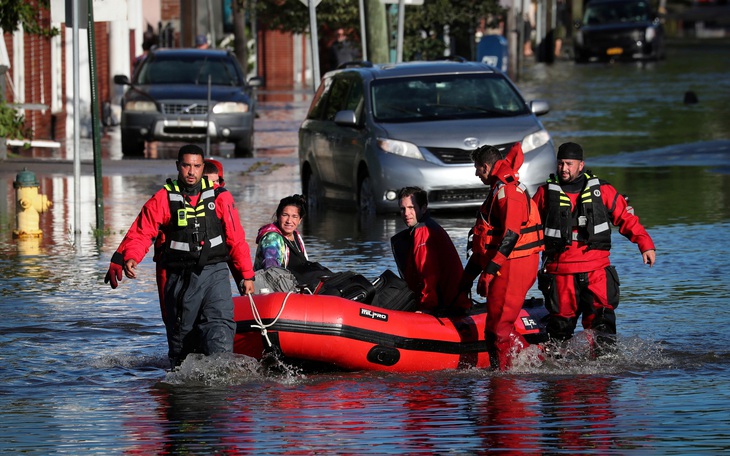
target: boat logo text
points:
(373, 314)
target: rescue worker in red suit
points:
(426, 257)
(213, 171)
(203, 237)
(506, 241)
(577, 278)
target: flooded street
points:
(84, 367)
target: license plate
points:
(614, 51)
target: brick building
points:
(40, 77)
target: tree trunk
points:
(240, 42)
(377, 33)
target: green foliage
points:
(14, 13)
(293, 15)
(423, 27)
(12, 124)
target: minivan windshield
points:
(442, 97)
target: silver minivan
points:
(372, 129)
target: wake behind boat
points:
(350, 335)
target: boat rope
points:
(259, 322)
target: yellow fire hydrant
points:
(28, 205)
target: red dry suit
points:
(160, 273)
(506, 245)
(197, 294)
(578, 275)
(430, 265)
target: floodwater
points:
(83, 368)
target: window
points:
(458, 96)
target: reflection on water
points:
(83, 367)
(612, 108)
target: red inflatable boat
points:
(349, 335)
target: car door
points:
(313, 143)
(346, 141)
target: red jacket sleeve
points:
(240, 262)
(628, 224)
(154, 214)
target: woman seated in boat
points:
(281, 246)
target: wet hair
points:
(486, 155)
(210, 168)
(189, 149)
(419, 194)
(294, 200)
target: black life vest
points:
(588, 222)
(194, 237)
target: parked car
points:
(619, 30)
(169, 99)
(372, 129)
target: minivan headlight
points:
(402, 148)
(535, 140)
(140, 106)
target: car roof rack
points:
(356, 64)
(455, 58)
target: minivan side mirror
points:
(539, 107)
(346, 118)
(256, 81)
(121, 79)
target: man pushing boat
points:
(203, 238)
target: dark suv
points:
(372, 129)
(187, 95)
(619, 30)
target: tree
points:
(240, 42)
(423, 29)
(293, 16)
(14, 13)
(424, 26)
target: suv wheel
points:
(312, 190)
(366, 199)
(244, 148)
(132, 145)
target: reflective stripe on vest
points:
(194, 236)
(191, 213)
(531, 232)
(588, 222)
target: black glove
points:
(471, 272)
